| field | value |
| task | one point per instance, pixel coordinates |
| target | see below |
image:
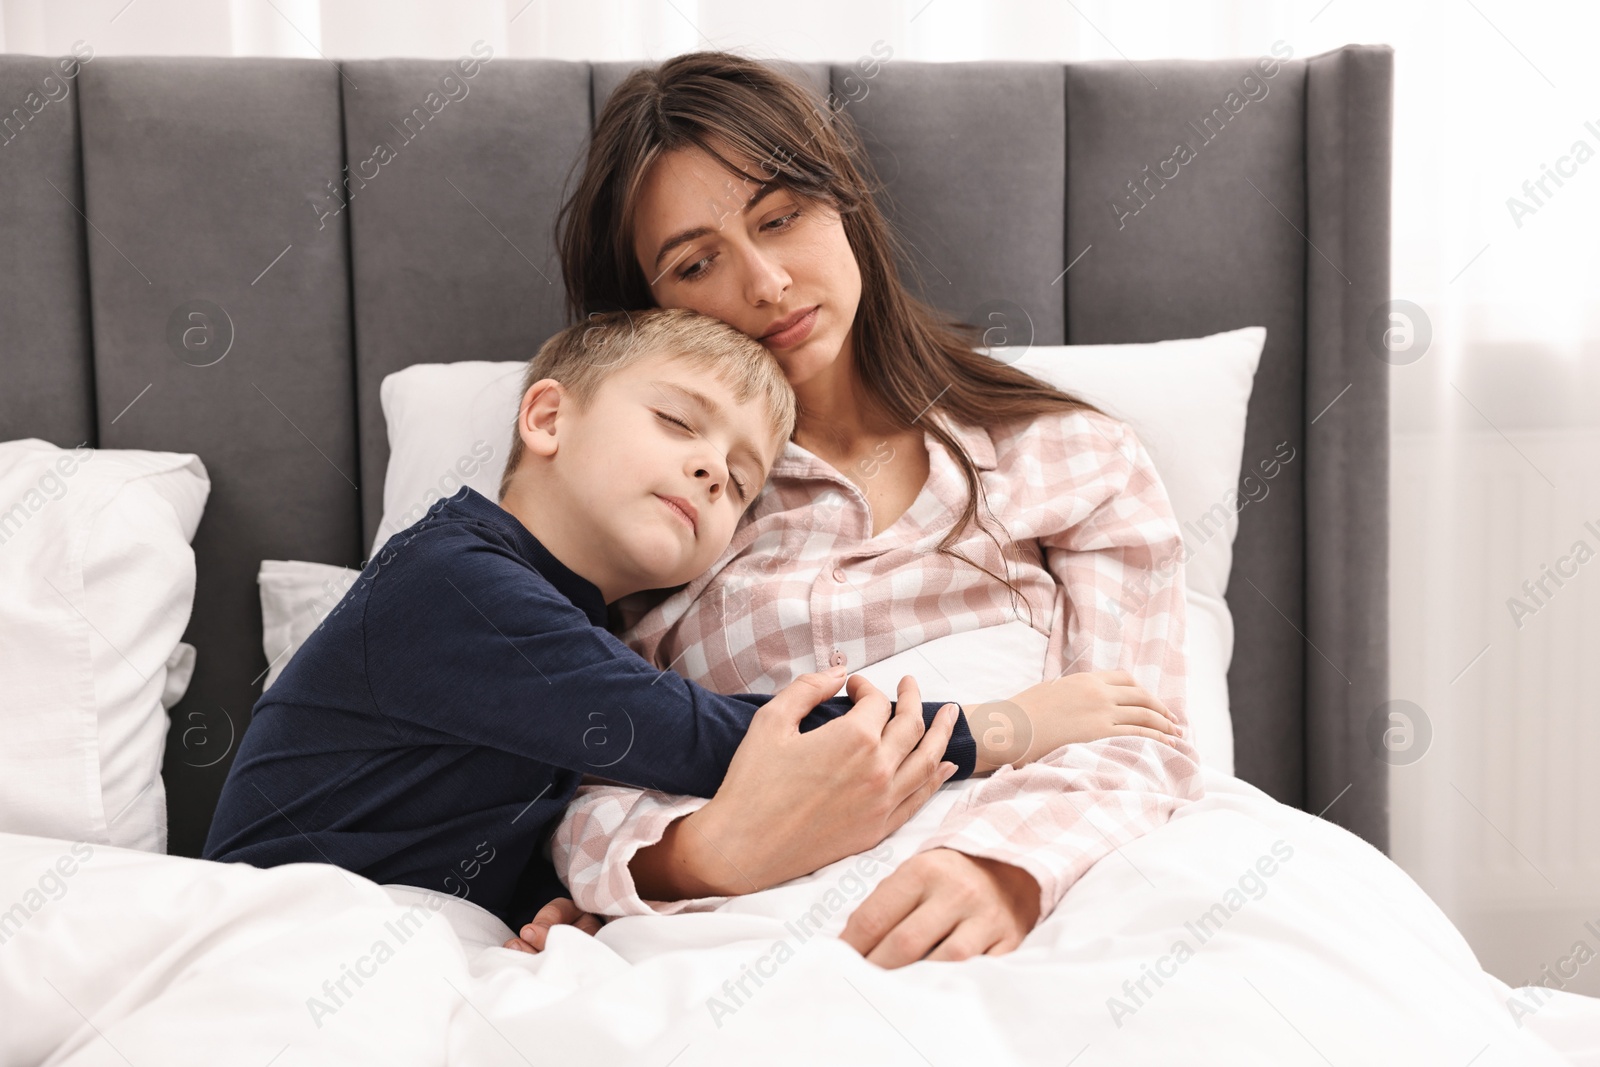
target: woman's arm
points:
(596, 846)
(1120, 606)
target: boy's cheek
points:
(716, 540)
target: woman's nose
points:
(768, 280)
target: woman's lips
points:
(794, 334)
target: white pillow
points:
(99, 584)
(1206, 652)
(449, 425)
(294, 598)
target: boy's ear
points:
(539, 415)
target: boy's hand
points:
(558, 911)
(793, 802)
(1085, 706)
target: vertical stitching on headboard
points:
(88, 287)
(350, 305)
(1305, 434)
(1066, 197)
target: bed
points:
(159, 189)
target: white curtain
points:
(1496, 424)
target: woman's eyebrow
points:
(697, 232)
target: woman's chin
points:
(807, 362)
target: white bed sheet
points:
(1341, 959)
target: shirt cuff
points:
(596, 842)
(1054, 878)
(963, 747)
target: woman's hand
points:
(558, 911)
(793, 802)
(944, 905)
(1085, 706)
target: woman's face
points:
(703, 244)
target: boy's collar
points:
(583, 593)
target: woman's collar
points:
(796, 460)
(974, 439)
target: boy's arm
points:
(464, 642)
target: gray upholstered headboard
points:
(160, 182)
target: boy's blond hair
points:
(582, 356)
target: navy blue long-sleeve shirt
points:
(432, 729)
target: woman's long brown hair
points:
(910, 356)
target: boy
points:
(434, 727)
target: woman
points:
(928, 490)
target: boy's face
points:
(660, 466)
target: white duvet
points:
(1242, 932)
(109, 956)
